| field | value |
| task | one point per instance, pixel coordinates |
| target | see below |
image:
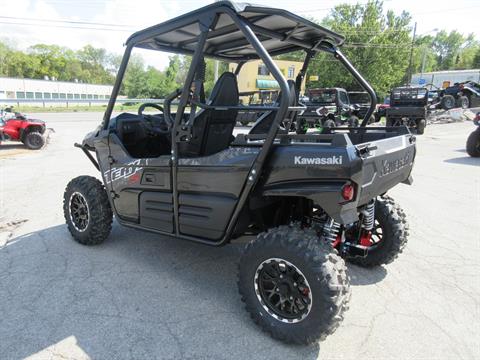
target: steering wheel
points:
(149, 121)
(143, 106)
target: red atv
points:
(16, 127)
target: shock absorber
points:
(330, 231)
(368, 222)
(368, 216)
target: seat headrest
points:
(225, 91)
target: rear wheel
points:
(421, 124)
(463, 102)
(447, 102)
(87, 210)
(473, 144)
(294, 284)
(389, 234)
(34, 140)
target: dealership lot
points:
(142, 295)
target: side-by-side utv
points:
(408, 107)
(310, 200)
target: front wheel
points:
(294, 284)
(34, 140)
(447, 102)
(389, 234)
(473, 144)
(87, 210)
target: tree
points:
(476, 60)
(377, 44)
(135, 79)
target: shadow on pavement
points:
(465, 160)
(138, 295)
(365, 276)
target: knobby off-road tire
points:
(463, 102)
(473, 144)
(447, 102)
(325, 276)
(34, 140)
(393, 222)
(87, 210)
(421, 124)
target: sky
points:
(108, 23)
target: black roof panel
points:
(286, 32)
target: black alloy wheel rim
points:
(283, 290)
(79, 213)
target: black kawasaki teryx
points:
(312, 200)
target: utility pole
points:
(424, 57)
(409, 74)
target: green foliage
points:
(377, 44)
(89, 64)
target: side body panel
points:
(142, 189)
(209, 188)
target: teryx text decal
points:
(124, 172)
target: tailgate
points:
(386, 163)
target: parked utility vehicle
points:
(257, 97)
(360, 102)
(311, 200)
(408, 107)
(463, 95)
(326, 108)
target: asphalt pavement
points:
(145, 296)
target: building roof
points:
(280, 31)
(448, 72)
(52, 81)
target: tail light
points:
(348, 192)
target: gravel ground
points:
(144, 296)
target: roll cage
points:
(239, 32)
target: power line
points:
(65, 21)
(445, 10)
(63, 26)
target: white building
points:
(444, 79)
(31, 89)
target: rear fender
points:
(326, 195)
